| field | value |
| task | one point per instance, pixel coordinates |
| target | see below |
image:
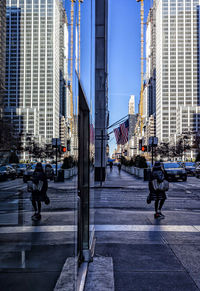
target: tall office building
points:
(131, 105)
(64, 53)
(101, 87)
(2, 52)
(150, 86)
(132, 124)
(64, 91)
(33, 67)
(177, 67)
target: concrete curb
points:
(100, 275)
(67, 281)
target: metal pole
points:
(101, 176)
(56, 156)
(152, 153)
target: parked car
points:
(190, 168)
(175, 171)
(28, 172)
(3, 173)
(11, 172)
(20, 169)
(49, 171)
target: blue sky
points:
(123, 54)
(124, 57)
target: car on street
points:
(175, 171)
(3, 174)
(28, 173)
(190, 168)
(11, 172)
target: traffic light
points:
(140, 144)
(144, 148)
(64, 149)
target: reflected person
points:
(40, 186)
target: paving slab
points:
(140, 257)
(20, 239)
(189, 255)
(35, 268)
(196, 278)
(182, 238)
(159, 281)
(100, 275)
(128, 237)
(23, 281)
(181, 218)
(114, 216)
(43, 258)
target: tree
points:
(182, 145)
(164, 150)
(9, 139)
(140, 162)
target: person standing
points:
(40, 186)
(159, 196)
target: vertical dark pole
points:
(152, 153)
(101, 157)
(56, 157)
(20, 207)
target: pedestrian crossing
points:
(101, 228)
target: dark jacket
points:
(39, 176)
(159, 175)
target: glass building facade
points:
(177, 62)
(32, 67)
(2, 52)
(49, 77)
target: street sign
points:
(56, 142)
(153, 141)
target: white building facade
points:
(131, 105)
(177, 65)
(33, 67)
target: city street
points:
(35, 252)
(147, 254)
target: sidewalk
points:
(133, 250)
(147, 254)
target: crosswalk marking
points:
(17, 187)
(102, 228)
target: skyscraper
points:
(131, 105)
(150, 85)
(33, 67)
(177, 67)
(2, 52)
(132, 124)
